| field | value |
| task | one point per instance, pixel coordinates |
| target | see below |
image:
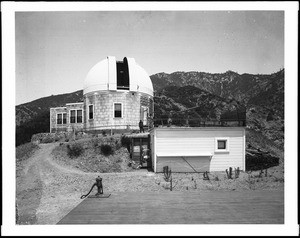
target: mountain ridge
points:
(261, 94)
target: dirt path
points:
(46, 191)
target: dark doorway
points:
(140, 150)
(122, 75)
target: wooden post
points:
(230, 172)
(141, 150)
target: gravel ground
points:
(47, 190)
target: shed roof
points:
(138, 135)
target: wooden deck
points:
(172, 207)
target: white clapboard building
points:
(197, 149)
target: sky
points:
(55, 50)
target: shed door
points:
(184, 164)
(141, 151)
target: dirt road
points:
(46, 191)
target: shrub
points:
(47, 139)
(75, 150)
(125, 141)
(106, 149)
(260, 162)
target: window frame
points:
(148, 111)
(74, 116)
(89, 111)
(62, 118)
(227, 148)
(78, 117)
(114, 104)
(76, 121)
(64, 113)
(57, 115)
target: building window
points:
(73, 116)
(222, 145)
(64, 118)
(76, 116)
(79, 116)
(118, 110)
(144, 113)
(91, 111)
(61, 118)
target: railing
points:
(195, 122)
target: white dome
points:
(103, 77)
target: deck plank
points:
(172, 207)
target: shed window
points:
(91, 111)
(222, 144)
(118, 110)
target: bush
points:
(106, 149)
(75, 150)
(125, 142)
(47, 139)
(260, 162)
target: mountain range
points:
(201, 95)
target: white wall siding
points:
(199, 140)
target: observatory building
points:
(116, 96)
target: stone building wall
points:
(104, 110)
(74, 126)
(104, 119)
(54, 127)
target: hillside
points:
(27, 111)
(175, 102)
(262, 95)
(34, 117)
(246, 88)
(213, 94)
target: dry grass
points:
(24, 151)
(92, 158)
(219, 181)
